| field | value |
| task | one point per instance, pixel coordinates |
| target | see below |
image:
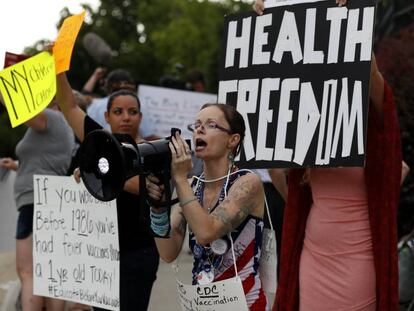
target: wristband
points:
(160, 223)
(188, 201)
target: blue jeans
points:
(138, 272)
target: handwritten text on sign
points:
(28, 87)
(299, 75)
(166, 108)
(75, 244)
(218, 296)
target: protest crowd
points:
(310, 233)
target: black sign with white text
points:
(299, 75)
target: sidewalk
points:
(164, 292)
(163, 297)
(9, 284)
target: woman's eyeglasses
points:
(208, 125)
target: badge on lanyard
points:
(219, 247)
(205, 276)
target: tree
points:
(151, 37)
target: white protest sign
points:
(75, 244)
(218, 296)
(166, 108)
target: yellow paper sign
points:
(62, 50)
(28, 87)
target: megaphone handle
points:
(164, 179)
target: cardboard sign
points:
(62, 50)
(300, 75)
(28, 87)
(218, 296)
(75, 244)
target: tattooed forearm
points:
(229, 215)
(221, 214)
(241, 215)
(230, 220)
(244, 198)
(244, 194)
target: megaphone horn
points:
(102, 165)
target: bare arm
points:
(69, 107)
(76, 118)
(93, 79)
(376, 92)
(170, 248)
(244, 198)
(278, 177)
(132, 185)
(405, 170)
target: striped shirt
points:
(247, 239)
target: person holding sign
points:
(138, 255)
(339, 248)
(46, 148)
(223, 207)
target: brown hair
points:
(235, 120)
(122, 93)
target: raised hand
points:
(258, 6)
(181, 163)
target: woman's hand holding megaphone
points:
(181, 163)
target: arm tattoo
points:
(245, 193)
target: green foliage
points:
(151, 37)
(148, 38)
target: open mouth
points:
(200, 144)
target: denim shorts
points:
(25, 222)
